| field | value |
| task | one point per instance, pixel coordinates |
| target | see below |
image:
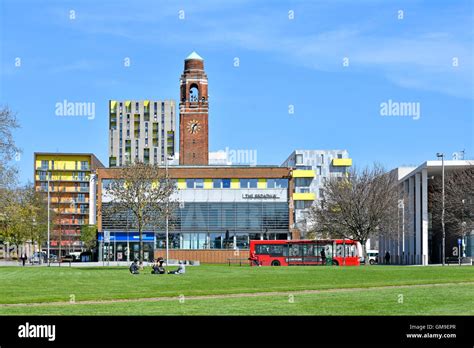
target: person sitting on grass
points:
(134, 267)
(158, 267)
(181, 269)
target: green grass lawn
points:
(43, 284)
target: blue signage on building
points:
(127, 237)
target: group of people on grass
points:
(157, 267)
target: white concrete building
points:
(414, 241)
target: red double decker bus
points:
(337, 252)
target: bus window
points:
(294, 250)
(276, 250)
(262, 249)
(309, 250)
(339, 250)
(327, 249)
(352, 250)
(270, 249)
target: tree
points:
(8, 149)
(38, 212)
(358, 206)
(15, 229)
(459, 201)
(89, 236)
(8, 122)
(144, 191)
(25, 217)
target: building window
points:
(299, 159)
(322, 158)
(244, 183)
(84, 165)
(320, 170)
(225, 183)
(277, 183)
(248, 183)
(303, 204)
(44, 165)
(217, 183)
(190, 183)
(303, 182)
(199, 183)
(339, 155)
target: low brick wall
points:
(204, 256)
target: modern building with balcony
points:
(70, 180)
(310, 170)
(141, 131)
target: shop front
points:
(125, 246)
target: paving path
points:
(225, 296)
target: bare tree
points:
(459, 201)
(8, 149)
(143, 190)
(358, 206)
(8, 122)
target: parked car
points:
(37, 256)
(75, 256)
(372, 256)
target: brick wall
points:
(205, 256)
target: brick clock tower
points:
(193, 113)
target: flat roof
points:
(97, 163)
(65, 153)
(435, 167)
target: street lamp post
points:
(441, 155)
(463, 225)
(49, 202)
(167, 209)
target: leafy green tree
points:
(89, 236)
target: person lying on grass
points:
(181, 269)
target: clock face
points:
(193, 126)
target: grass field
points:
(224, 290)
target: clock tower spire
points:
(193, 113)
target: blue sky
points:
(283, 62)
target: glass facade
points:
(252, 217)
(209, 225)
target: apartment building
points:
(141, 131)
(70, 180)
(311, 169)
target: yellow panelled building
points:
(67, 177)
